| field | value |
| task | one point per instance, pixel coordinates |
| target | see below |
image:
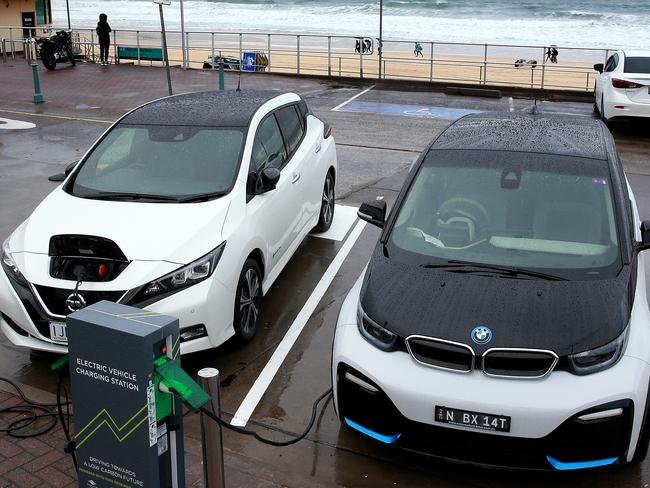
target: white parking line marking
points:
(511, 103)
(263, 381)
(11, 124)
(344, 218)
(336, 109)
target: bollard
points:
(222, 81)
(38, 96)
(4, 50)
(211, 436)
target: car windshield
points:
(637, 64)
(546, 213)
(169, 162)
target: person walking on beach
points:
(418, 50)
(104, 35)
(554, 54)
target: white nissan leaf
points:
(502, 319)
(189, 206)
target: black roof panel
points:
(548, 134)
(209, 109)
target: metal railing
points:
(335, 56)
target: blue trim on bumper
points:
(386, 439)
(560, 466)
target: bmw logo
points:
(481, 334)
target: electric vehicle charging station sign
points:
(126, 433)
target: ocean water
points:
(578, 23)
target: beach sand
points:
(444, 66)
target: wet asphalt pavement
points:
(375, 150)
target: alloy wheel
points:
(249, 300)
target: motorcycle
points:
(56, 48)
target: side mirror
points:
(373, 212)
(57, 177)
(645, 236)
(599, 67)
(62, 176)
(268, 180)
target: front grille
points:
(440, 353)
(518, 363)
(500, 362)
(55, 298)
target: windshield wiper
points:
(469, 267)
(109, 195)
(200, 197)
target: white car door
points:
(304, 161)
(274, 213)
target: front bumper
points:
(545, 432)
(25, 321)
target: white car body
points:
(632, 102)
(160, 238)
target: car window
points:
(534, 211)
(291, 127)
(612, 63)
(268, 149)
(637, 64)
(168, 161)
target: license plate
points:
(58, 332)
(484, 421)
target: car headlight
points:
(600, 358)
(10, 266)
(184, 277)
(375, 333)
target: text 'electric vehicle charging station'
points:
(127, 387)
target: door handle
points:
(318, 148)
(295, 178)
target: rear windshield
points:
(553, 214)
(637, 65)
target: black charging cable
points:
(70, 445)
(240, 430)
(30, 412)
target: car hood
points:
(177, 233)
(562, 316)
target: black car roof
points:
(207, 109)
(548, 134)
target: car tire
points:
(326, 215)
(602, 110)
(207, 66)
(248, 302)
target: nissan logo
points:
(75, 302)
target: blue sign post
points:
(248, 63)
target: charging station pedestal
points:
(127, 432)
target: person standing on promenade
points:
(104, 35)
(418, 50)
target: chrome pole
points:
(211, 435)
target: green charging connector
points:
(59, 363)
(172, 377)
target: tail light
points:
(327, 131)
(625, 84)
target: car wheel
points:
(327, 205)
(207, 66)
(248, 301)
(602, 110)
